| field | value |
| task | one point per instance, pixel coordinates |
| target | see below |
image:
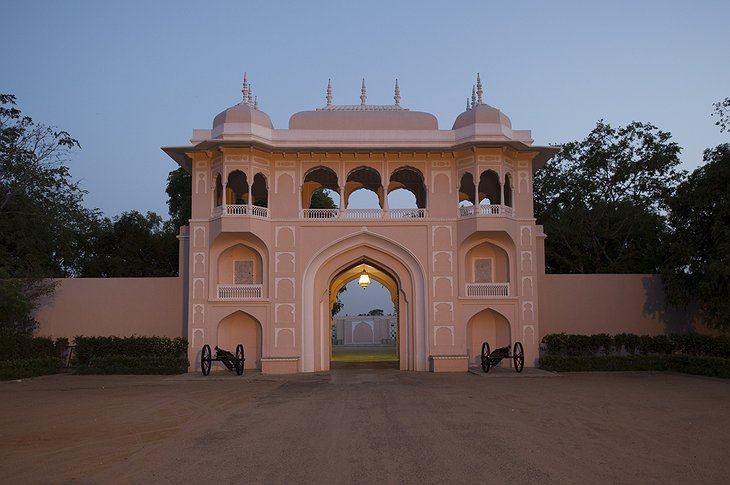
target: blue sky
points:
(125, 78)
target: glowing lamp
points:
(364, 280)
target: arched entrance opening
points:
(486, 326)
(391, 258)
(367, 339)
(241, 328)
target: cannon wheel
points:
(239, 359)
(205, 359)
(518, 354)
(485, 357)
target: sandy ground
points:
(366, 426)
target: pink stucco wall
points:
(113, 306)
(608, 303)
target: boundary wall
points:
(113, 307)
(609, 303)
(570, 303)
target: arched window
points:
(508, 190)
(365, 178)
(237, 188)
(318, 179)
(467, 190)
(489, 189)
(259, 192)
(411, 180)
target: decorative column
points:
(224, 202)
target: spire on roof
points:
(363, 94)
(473, 97)
(397, 93)
(245, 88)
(255, 102)
(329, 92)
(479, 90)
(250, 95)
(467, 104)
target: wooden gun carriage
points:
(231, 361)
(491, 358)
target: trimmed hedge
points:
(631, 344)
(687, 364)
(128, 364)
(19, 347)
(22, 357)
(24, 368)
(570, 363)
(131, 355)
(688, 353)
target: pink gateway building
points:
(264, 268)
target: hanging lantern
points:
(364, 280)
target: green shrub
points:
(131, 355)
(127, 364)
(565, 363)
(24, 368)
(688, 364)
(21, 347)
(704, 366)
(625, 343)
(90, 347)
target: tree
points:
(338, 305)
(43, 226)
(375, 312)
(132, 245)
(697, 270)
(722, 111)
(603, 200)
(322, 200)
(179, 202)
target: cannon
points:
(231, 361)
(491, 358)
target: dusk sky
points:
(126, 78)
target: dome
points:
(243, 113)
(357, 117)
(482, 114)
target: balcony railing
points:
(487, 290)
(239, 292)
(241, 210)
(359, 214)
(486, 210)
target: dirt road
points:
(366, 426)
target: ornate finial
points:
(255, 102)
(467, 104)
(397, 94)
(250, 95)
(329, 92)
(363, 95)
(245, 88)
(473, 97)
(479, 90)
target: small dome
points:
(365, 118)
(242, 113)
(482, 114)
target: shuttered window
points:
(243, 272)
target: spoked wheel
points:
(205, 359)
(239, 359)
(518, 354)
(485, 357)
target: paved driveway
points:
(366, 426)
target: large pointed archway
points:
(365, 340)
(394, 260)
